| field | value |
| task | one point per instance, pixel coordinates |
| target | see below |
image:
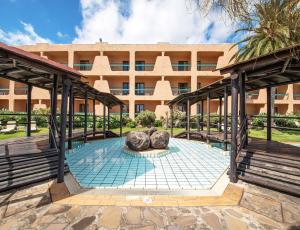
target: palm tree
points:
(275, 25)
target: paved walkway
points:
(32, 208)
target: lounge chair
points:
(10, 127)
(33, 126)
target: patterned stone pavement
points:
(31, 208)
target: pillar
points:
(208, 115)
(220, 114)
(121, 120)
(188, 115)
(85, 117)
(104, 121)
(172, 121)
(202, 114)
(242, 103)
(269, 113)
(28, 110)
(225, 113)
(71, 113)
(108, 118)
(94, 117)
(53, 110)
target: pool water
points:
(189, 165)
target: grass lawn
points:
(126, 129)
(22, 133)
(277, 135)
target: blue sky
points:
(115, 21)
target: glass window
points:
(139, 88)
(182, 65)
(139, 108)
(125, 88)
(140, 65)
(183, 87)
(198, 65)
(125, 65)
(84, 64)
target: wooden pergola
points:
(275, 69)
(35, 71)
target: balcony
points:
(4, 91)
(296, 96)
(280, 96)
(21, 90)
(181, 66)
(144, 67)
(148, 91)
(177, 91)
(119, 67)
(83, 67)
(251, 96)
(119, 91)
(206, 67)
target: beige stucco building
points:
(145, 77)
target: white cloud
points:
(24, 37)
(61, 35)
(150, 21)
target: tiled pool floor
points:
(190, 165)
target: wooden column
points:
(121, 120)
(104, 121)
(234, 128)
(188, 114)
(28, 110)
(85, 117)
(242, 102)
(108, 118)
(53, 109)
(202, 115)
(172, 117)
(225, 113)
(208, 115)
(198, 118)
(63, 120)
(269, 113)
(220, 114)
(71, 112)
(94, 117)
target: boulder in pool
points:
(160, 140)
(137, 141)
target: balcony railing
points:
(178, 91)
(21, 90)
(296, 96)
(144, 67)
(144, 92)
(251, 96)
(83, 67)
(206, 67)
(4, 91)
(119, 91)
(119, 67)
(280, 96)
(181, 67)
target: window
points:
(140, 65)
(198, 65)
(125, 90)
(276, 110)
(125, 65)
(183, 65)
(139, 108)
(139, 88)
(183, 87)
(84, 65)
(81, 108)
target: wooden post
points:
(198, 118)
(220, 114)
(94, 117)
(53, 109)
(242, 103)
(28, 109)
(225, 114)
(234, 127)
(188, 114)
(63, 120)
(202, 115)
(108, 118)
(121, 120)
(269, 113)
(208, 116)
(71, 112)
(104, 121)
(85, 116)
(172, 121)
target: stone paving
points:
(31, 208)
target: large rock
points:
(137, 141)
(160, 139)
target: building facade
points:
(145, 77)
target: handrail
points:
(241, 136)
(50, 122)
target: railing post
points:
(208, 117)
(121, 120)
(63, 118)
(108, 118)
(94, 117)
(225, 116)
(188, 114)
(53, 108)
(242, 104)
(269, 112)
(172, 121)
(234, 127)
(220, 114)
(71, 112)
(85, 116)
(202, 115)
(28, 108)
(104, 120)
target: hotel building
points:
(145, 77)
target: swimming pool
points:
(189, 165)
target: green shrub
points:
(258, 122)
(158, 123)
(145, 118)
(285, 122)
(131, 124)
